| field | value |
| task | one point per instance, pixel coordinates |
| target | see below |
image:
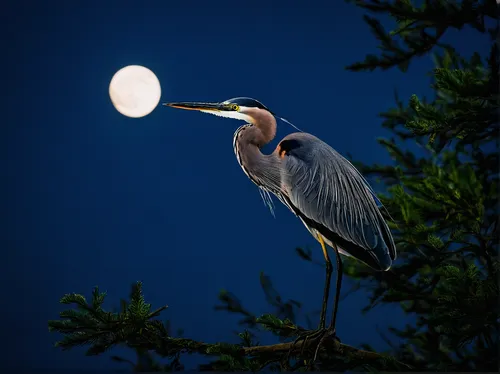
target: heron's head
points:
(242, 108)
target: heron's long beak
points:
(197, 106)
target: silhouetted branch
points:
(329, 350)
(134, 326)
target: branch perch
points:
(329, 348)
(134, 326)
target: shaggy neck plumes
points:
(248, 139)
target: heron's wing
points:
(329, 191)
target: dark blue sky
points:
(94, 198)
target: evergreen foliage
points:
(444, 204)
(443, 208)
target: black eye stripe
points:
(248, 102)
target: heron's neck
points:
(265, 126)
(262, 169)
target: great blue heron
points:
(317, 184)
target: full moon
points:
(135, 91)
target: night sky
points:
(91, 197)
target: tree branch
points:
(330, 347)
(134, 327)
(328, 350)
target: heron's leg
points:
(337, 288)
(326, 291)
(319, 333)
(331, 329)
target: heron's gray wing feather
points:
(328, 189)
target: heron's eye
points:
(235, 107)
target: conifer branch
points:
(134, 326)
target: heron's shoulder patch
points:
(287, 145)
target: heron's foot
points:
(305, 336)
(317, 337)
(326, 334)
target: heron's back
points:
(331, 197)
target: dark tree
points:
(444, 203)
(442, 206)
